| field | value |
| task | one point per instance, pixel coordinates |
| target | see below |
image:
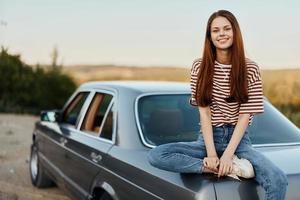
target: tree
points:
(24, 89)
(54, 59)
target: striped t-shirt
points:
(223, 112)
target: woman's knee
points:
(155, 155)
(151, 156)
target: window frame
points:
(111, 107)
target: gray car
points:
(96, 146)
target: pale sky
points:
(145, 32)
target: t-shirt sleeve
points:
(193, 81)
(255, 92)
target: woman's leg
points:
(182, 157)
(267, 174)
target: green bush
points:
(24, 89)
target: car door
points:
(52, 138)
(86, 147)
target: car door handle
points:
(63, 141)
(96, 157)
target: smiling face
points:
(221, 33)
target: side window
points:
(107, 130)
(70, 115)
(94, 119)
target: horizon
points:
(158, 66)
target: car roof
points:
(139, 85)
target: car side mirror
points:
(51, 116)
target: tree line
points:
(27, 89)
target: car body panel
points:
(249, 189)
(134, 167)
(51, 151)
(82, 168)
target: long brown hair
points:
(238, 74)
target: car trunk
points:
(205, 186)
(286, 158)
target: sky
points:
(145, 32)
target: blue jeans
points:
(187, 157)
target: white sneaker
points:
(242, 168)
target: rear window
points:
(167, 118)
(170, 118)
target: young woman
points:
(227, 89)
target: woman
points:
(227, 89)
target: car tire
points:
(37, 173)
(105, 196)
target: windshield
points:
(170, 118)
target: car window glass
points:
(96, 112)
(108, 127)
(272, 127)
(170, 118)
(167, 118)
(71, 113)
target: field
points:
(110, 72)
(281, 87)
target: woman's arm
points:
(238, 133)
(212, 160)
(206, 126)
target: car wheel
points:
(105, 196)
(37, 173)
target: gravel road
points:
(15, 141)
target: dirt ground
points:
(15, 141)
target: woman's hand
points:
(225, 165)
(211, 163)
